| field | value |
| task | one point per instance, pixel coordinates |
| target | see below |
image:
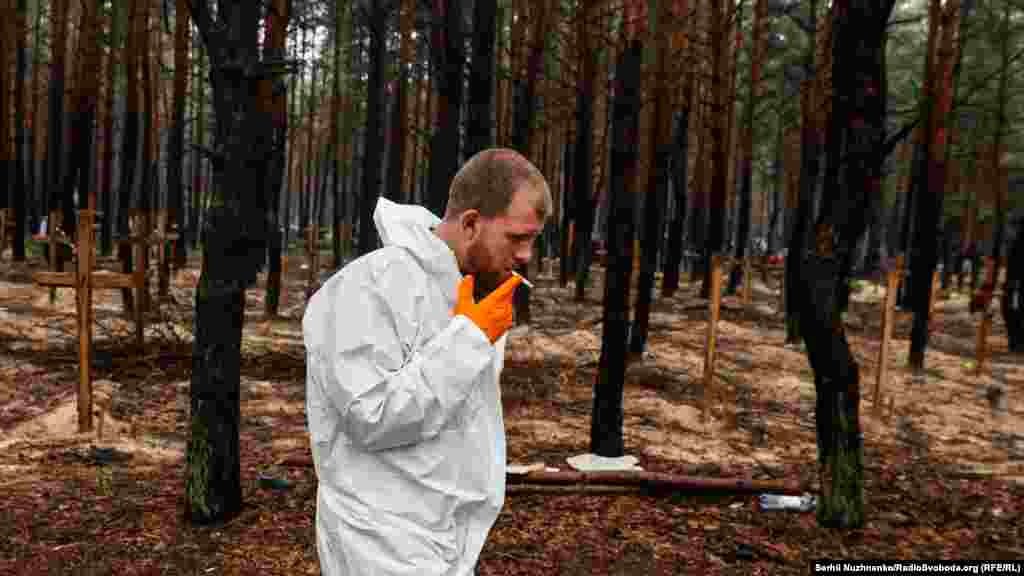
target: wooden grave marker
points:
(84, 280)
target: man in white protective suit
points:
(403, 360)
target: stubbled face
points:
(495, 246)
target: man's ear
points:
(469, 224)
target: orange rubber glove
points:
(493, 314)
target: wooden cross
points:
(84, 279)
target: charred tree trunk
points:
(55, 124)
(20, 190)
(129, 150)
(522, 129)
(176, 155)
(447, 55)
(340, 102)
(680, 165)
(939, 98)
(235, 234)
(583, 204)
(808, 182)
(276, 103)
(479, 130)
(1013, 291)
(374, 115)
(197, 158)
(859, 111)
(107, 200)
(606, 420)
(747, 168)
(565, 260)
(716, 239)
(657, 189)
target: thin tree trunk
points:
(583, 206)
(147, 192)
(657, 185)
(374, 116)
(55, 123)
(607, 414)
(747, 169)
(337, 159)
(199, 136)
(106, 243)
(939, 92)
(809, 147)
(277, 104)
(719, 141)
(129, 148)
(447, 53)
(480, 125)
(20, 191)
(176, 156)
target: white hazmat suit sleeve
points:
(389, 388)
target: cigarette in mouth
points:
(521, 277)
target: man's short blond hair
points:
(487, 181)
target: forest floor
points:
(944, 462)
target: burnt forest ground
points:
(944, 453)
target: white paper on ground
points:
(593, 462)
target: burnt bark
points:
(809, 167)
(583, 204)
(235, 235)
(374, 117)
(479, 125)
(607, 416)
(858, 117)
(680, 165)
(176, 154)
(20, 191)
(1013, 291)
(447, 55)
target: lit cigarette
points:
(525, 281)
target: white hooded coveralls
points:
(403, 409)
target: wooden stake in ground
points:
(714, 304)
(936, 284)
(86, 250)
(312, 256)
(746, 280)
(985, 320)
(888, 305)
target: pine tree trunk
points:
(374, 117)
(583, 178)
(808, 180)
(607, 415)
(1013, 292)
(236, 235)
(447, 56)
(657, 186)
(747, 168)
(859, 113)
(277, 106)
(939, 86)
(176, 157)
(20, 190)
(478, 130)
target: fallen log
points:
(656, 481)
(615, 481)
